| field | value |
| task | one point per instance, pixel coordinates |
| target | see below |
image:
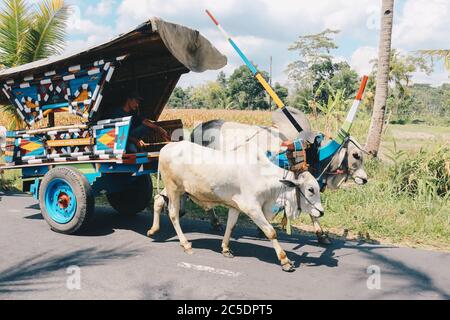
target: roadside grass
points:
(377, 212)
(10, 179)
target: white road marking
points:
(221, 272)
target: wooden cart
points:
(65, 167)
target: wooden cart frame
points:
(66, 167)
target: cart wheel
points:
(134, 199)
(66, 199)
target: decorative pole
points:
(258, 75)
(333, 147)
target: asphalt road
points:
(115, 260)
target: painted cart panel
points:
(76, 89)
(105, 140)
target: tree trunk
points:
(384, 55)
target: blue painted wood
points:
(329, 151)
(55, 106)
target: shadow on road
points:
(30, 274)
(416, 281)
(306, 251)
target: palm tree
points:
(30, 32)
(439, 54)
(384, 54)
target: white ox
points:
(252, 186)
(221, 135)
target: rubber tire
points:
(134, 199)
(83, 192)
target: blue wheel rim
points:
(60, 201)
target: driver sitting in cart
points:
(140, 127)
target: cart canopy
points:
(92, 82)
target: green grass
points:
(377, 212)
(10, 179)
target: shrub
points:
(424, 176)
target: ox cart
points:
(66, 167)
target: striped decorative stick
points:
(257, 75)
(345, 130)
(335, 145)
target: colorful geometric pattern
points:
(106, 139)
(70, 142)
(112, 136)
(77, 89)
(31, 147)
(11, 148)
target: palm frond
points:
(439, 54)
(15, 20)
(48, 31)
(10, 116)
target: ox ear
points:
(289, 184)
(357, 145)
(339, 159)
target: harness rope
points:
(248, 139)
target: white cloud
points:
(132, 12)
(92, 32)
(423, 24)
(313, 15)
(102, 9)
(266, 28)
(78, 45)
(78, 25)
(361, 59)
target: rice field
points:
(191, 118)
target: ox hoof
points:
(151, 233)
(324, 239)
(188, 249)
(228, 254)
(288, 267)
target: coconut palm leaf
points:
(29, 33)
(439, 54)
(10, 117)
(15, 21)
(48, 31)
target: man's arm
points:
(138, 142)
(165, 135)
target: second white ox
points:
(221, 135)
(252, 186)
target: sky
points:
(265, 28)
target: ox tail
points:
(158, 181)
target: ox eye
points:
(356, 156)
